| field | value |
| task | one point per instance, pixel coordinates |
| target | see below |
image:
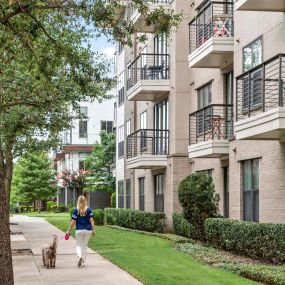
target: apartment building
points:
(209, 98)
(152, 115)
(77, 144)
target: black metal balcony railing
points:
(261, 88)
(214, 20)
(214, 122)
(148, 141)
(148, 67)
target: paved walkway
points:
(33, 233)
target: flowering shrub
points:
(74, 180)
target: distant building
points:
(77, 144)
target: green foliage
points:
(109, 18)
(50, 204)
(33, 178)
(59, 208)
(99, 216)
(249, 268)
(199, 201)
(113, 200)
(181, 226)
(256, 240)
(101, 164)
(71, 210)
(135, 219)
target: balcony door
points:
(204, 113)
(161, 60)
(143, 132)
(161, 127)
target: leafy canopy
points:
(33, 178)
(101, 164)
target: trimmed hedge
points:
(99, 216)
(59, 208)
(181, 226)
(255, 240)
(135, 219)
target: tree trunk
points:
(6, 266)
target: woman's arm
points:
(71, 225)
(93, 226)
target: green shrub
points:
(135, 219)
(256, 240)
(50, 204)
(59, 208)
(71, 210)
(99, 216)
(199, 201)
(181, 226)
(113, 200)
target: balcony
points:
(147, 149)
(139, 20)
(211, 36)
(148, 77)
(210, 130)
(260, 111)
(261, 5)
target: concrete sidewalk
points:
(29, 269)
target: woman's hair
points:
(81, 205)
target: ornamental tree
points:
(33, 178)
(74, 180)
(46, 67)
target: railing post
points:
(211, 120)
(249, 93)
(280, 82)
(263, 86)
(204, 124)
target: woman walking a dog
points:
(82, 217)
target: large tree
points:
(101, 164)
(47, 66)
(33, 178)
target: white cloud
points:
(108, 52)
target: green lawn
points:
(151, 259)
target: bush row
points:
(136, 219)
(181, 226)
(256, 240)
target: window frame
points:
(83, 129)
(121, 194)
(254, 192)
(141, 193)
(247, 46)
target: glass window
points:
(121, 194)
(251, 190)
(204, 116)
(107, 126)
(84, 111)
(159, 193)
(128, 127)
(205, 96)
(121, 88)
(128, 193)
(81, 165)
(161, 127)
(141, 193)
(82, 129)
(252, 55)
(121, 141)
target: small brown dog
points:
(49, 253)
